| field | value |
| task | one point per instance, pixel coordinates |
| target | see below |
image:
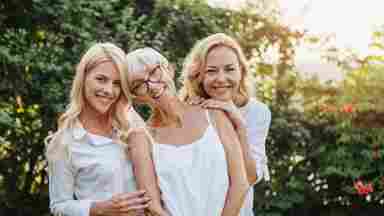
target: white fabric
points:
(258, 120)
(135, 120)
(193, 178)
(96, 169)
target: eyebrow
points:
(227, 65)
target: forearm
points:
(145, 174)
(249, 161)
(239, 185)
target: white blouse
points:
(96, 169)
(258, 120)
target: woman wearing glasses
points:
(194, 157)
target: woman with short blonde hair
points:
(193, 154)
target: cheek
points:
(206, 83)
(236, 78)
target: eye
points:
(230, 69)
(211, 71)
(117, 83)
(101, 79)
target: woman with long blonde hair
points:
(89, 173)
(216, 76)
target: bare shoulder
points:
(135, 137)
(196, 112)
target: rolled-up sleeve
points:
(258, 123)
(61, 191)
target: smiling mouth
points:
(104, 99)
(158, 95)
(222, 87)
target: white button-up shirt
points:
(96, 169)
(258, 120)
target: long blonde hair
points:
(95, 55)
(139, 59)
(195, 62)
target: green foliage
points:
(315, 154)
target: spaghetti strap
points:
(208, 117)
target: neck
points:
(96, 123)
(169, 112)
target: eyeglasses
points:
(154, 76)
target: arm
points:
(239, 125)
(144, 170)
(237, 174)
(62, 178)
(258, 127)
(61, 191)
(249, 161)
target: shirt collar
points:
(79, 132)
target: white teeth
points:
(222, 87)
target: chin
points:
(221, 97)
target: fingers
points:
(195, 100)
(214, 104)
(135, 194)
(131, 201)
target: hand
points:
(195, 100)
(229, 108)
(126, 204)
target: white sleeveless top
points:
(193, 178)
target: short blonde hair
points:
(95, 55)
(195, 63)
(139, 59)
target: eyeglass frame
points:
(148, 80)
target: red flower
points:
(348, 108)
(362, 189)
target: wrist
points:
(96, 209)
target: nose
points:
(108, 88)
(221, 76)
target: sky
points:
(351, 22)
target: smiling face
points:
(222, 74)
(148, 82)
(102, 87)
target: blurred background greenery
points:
(324, 137)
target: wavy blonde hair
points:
(97, 54)
(195, 63)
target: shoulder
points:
(258, 111)
(134, 135)
(197, 113)
(57, 145)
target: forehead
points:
(140, 72)
(107, 68)
(221, 55)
